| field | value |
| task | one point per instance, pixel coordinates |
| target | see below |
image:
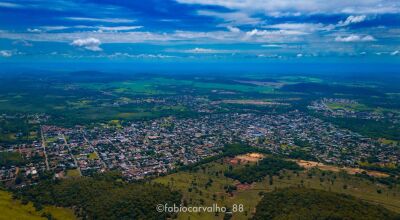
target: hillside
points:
(302, 203)
(208, 184)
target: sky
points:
(259, 32)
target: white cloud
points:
(87, 27)
(233, 29)
(234, 18)
(53, 28)
(34, 30)
(9, 5)
(276, 56)
(128, 55)
(205, 50)
(105, 20)
(23, 43)
(273, 33)
(91, 44)
(272, 45)
(304, 27)
(296, 7)
(355, 38)
(6, 53)
(352, 20)
(119, 28)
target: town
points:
(154, 147)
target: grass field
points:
(195, 192)
(349, 107)
(73, 173)
(12, 209)
(93, 156)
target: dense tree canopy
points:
(267, 166)
(103, 198)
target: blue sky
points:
(185, 31)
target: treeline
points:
(102, 197)
(301, 203)
(267, 167)
(390, 181)
(391, 170)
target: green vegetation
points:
(266, 167)
(93, 156)
(370, 128)
(208, 185)
(103, 197)
(301, 203)
(229, 150)
(73, 173)
(348, 106)
(8, 159)
(17, 130)
(14, 209)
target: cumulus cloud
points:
(352, 20)
(92, 44)
(355, 38)
(273, 34)
(6, 53)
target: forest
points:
(266, 167)
(103, 196)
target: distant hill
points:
(302, 203)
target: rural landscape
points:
(204, 138)
(189, 109)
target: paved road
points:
(73, 157)
(44, 148)
(94, 150)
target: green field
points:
(73, 173)
(13, 209)
(193, 187)
(345, 106)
